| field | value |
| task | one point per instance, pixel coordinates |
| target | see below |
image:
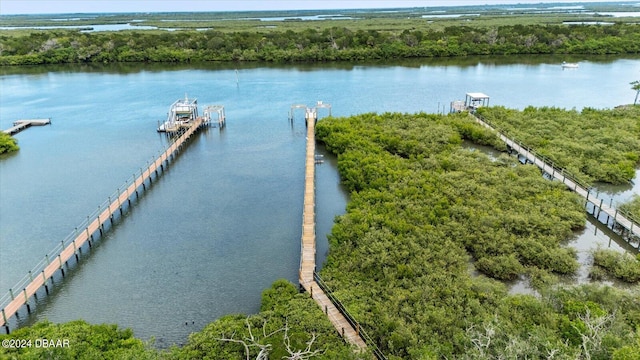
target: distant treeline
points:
(312, 45)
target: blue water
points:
(224, 221)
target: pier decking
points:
(20, 125)
(54, 261)
(557, 173)
(308, 248)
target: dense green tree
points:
(7, 143)
(336, 43)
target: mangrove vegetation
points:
(289, 326)
(592, 144)
(632, 207)
(7, 143)
(426, 213)
(623, 266)
(309, 44)
(433, 231)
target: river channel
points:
(224, 221)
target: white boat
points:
(566, 65)
(181, 114)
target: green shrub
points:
(8, 143)
(623, 266)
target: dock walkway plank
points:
(623, 221)
(308, 249)
(83, 236)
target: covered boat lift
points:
(475, 100)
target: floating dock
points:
(20, 125)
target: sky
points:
(97, 6)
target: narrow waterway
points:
(224, 221)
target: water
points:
(88, 28)
(224, 221)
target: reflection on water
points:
(617, 194)
(594, 236)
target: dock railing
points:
(54, 253)
(549, 162)
(354, 323)
(57, 249)
(552, 168)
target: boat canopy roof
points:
(477, 96)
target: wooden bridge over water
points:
(628, 225)
(56, 260)
(308, 246)
(43, 273)
(343, 322)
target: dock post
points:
(75, 250)
(89, 235)
(11, 294)
(110, 212)
(60, 263)
(100, 223)
(4, 317)
(119, 202)
(44, 281)
(599, 209)
(89, 238)
(26, 299)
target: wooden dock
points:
(308, 247)
(20, 125)
(631, 227)
(54, 261)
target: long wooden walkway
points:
(308, 247)
(557, 173)
(38, 277)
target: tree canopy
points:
(7, 143)
(308, 44)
